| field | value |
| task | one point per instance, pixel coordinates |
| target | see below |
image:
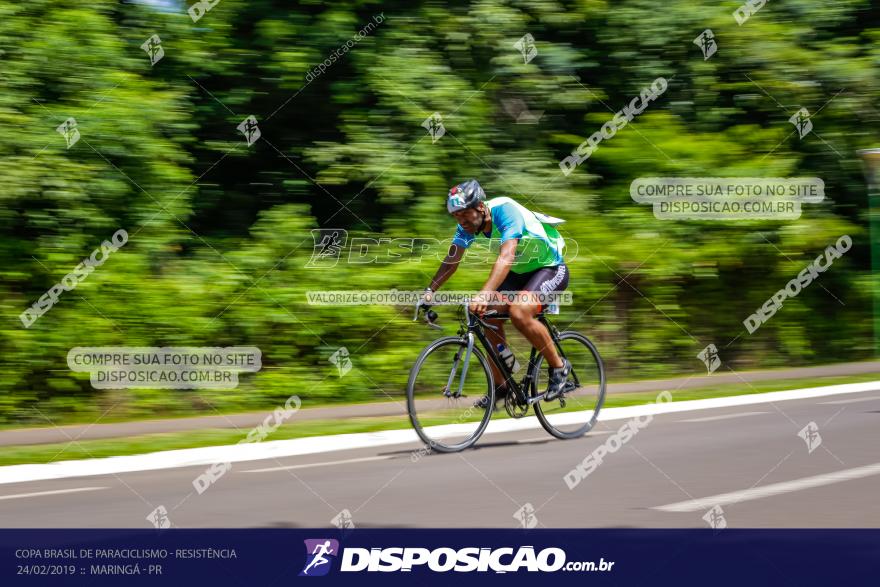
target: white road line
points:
(705, 503)
(724, 417)
(850, 401)
(273, 449)
(326, 464)
(56, 492)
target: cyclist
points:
(529, 261)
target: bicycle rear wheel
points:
(576, 412)
(442, 391)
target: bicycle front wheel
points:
(442, 394)
(576, 412)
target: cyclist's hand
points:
(481, 301)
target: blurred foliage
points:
(220, 231)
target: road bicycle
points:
(452, 373)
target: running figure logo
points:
(328, 244)
(159, 517)
(710, 358)
(801, 121)
(706, 43)
(810, 435)
(434, 125)
(317, 552)
(250, 130)
(68, 130)
(526, 46)
(153, 48)
(715, 518)
(526, 516)
(342, 360)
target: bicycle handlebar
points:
(431, 316)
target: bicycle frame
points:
(474, 326)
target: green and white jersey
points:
(540, 244)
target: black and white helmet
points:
(467, 194)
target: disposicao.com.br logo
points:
(441, 560)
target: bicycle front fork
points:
(467, 362)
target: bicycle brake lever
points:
(482, 319)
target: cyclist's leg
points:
(497, 337)
(522, 314)
(513, 282)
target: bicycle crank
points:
(515, 409)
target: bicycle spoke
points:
(449, 420)
(576, 410)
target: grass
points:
(168, 413)
(46, 453)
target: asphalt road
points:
(677, 458)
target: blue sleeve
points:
(462, 238)
(509, 221)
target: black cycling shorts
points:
(545, 279)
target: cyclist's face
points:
(469, 219)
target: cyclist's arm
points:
(502, 265)
(447, 267)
